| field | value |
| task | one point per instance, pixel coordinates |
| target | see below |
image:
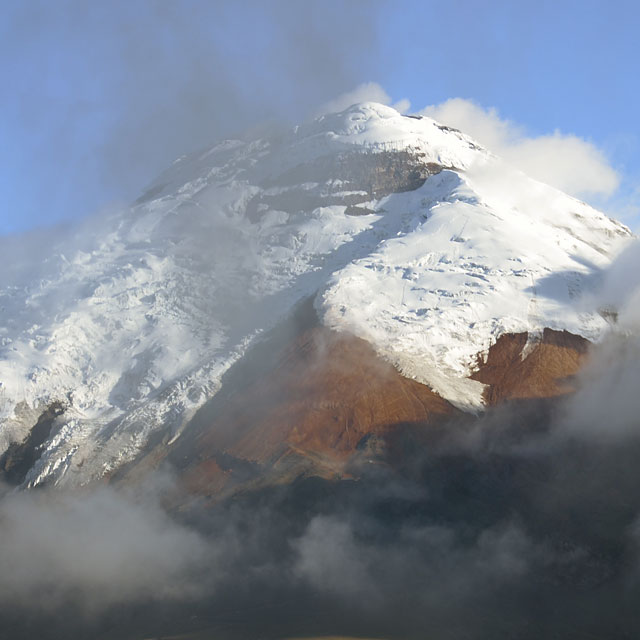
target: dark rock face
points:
(346, 179)
(19, 458)
(377, 172)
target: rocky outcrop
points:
(377, 171)
(521, 366)
(345, 179)
(19, 458)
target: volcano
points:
(293, 306)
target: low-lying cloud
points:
(94, 550)
(620, 288)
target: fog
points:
(94, 550)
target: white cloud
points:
(621, 288)
(625, 204)
(567, 162)
(402, 105)
(366, 92)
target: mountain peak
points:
(408, 235)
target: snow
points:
(134, 320)
(471, 263)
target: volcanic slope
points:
(417, 246)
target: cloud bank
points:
(606, 407)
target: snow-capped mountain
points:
(406, 233)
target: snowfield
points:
(133, 320)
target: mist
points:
(88, 551)
(105, 98)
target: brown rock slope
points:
(327, 398)
(543, 368)
(316, 402)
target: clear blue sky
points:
(99, 97)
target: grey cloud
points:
(93, 550)
(330, 559)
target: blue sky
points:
(100, 97)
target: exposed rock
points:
(520, 366)
(355, 210)
(379, 172)
(19, 458)
(329, 404)
(345, 179)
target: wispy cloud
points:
(366, 92)
(565, 161)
